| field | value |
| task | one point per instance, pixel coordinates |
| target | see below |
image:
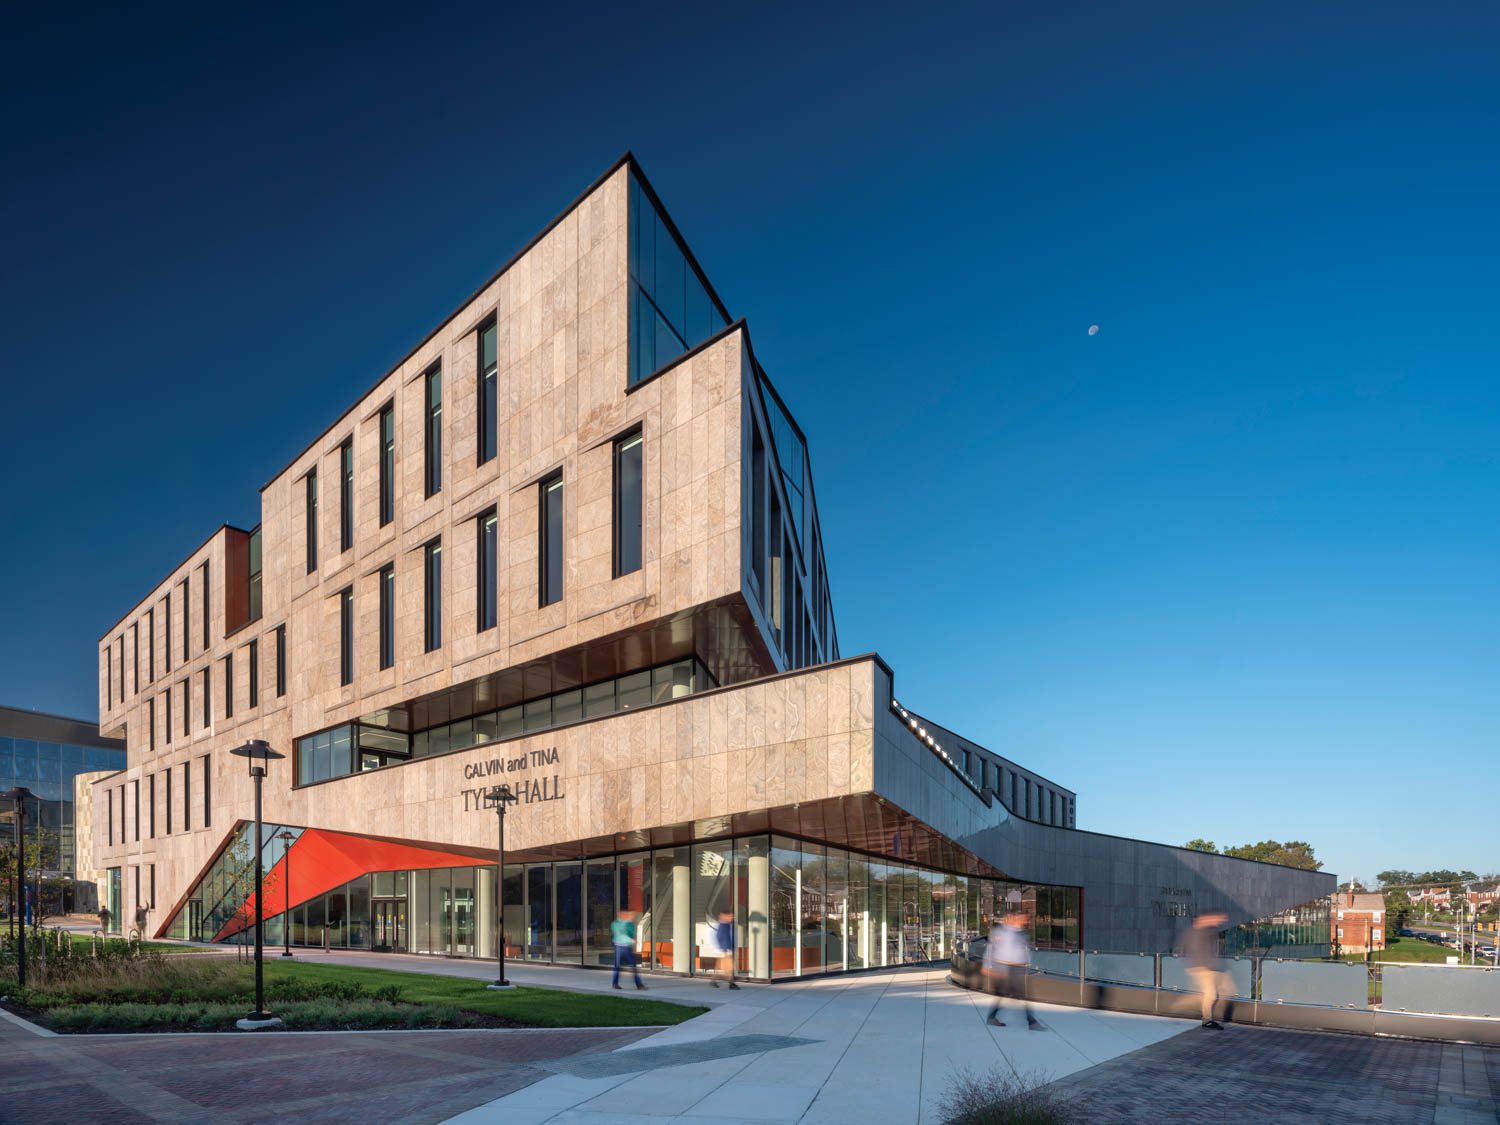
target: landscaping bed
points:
(133, 989)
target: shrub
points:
(1001, 1097)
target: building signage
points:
(528, 790)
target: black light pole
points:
(19, 796)
(500, 796)
(286, 838)
(258, 750)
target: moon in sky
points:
(1093, 330)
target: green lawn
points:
(85, 940)
(1408, 951)
(535, 1007)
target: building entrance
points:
(388, 924)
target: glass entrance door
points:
(388, 923)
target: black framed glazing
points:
(387, 464)
(629, 489)
(346, 494)
(550, 540)
(488, 551)
(433, 429)
(387, 616)
(489, 424)
(311, 505)
(346, 637)
(432, 596)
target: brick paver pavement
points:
(1263, 1074)
(408, 1076)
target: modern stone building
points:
(570, 543)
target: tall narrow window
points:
(187, 796)
(488, 426)
(488, 570)
(387, 616)
(135, 659)
(151, 645)
(151, 804)
(151, 724)
(312, 520)
(255, 569)
(229, 685)
(167, 714)
(206, 604)
(550, 541)
(628, 490)
(187, 707)
(387, 464)
(346, 637)
(167, 803)
(122, 664)
(434, 431)
(109, 676)
(432, 596)
(346, 494)
(280, 661)
(187, 622)
(111, 815)
(208, 807)
(208, 699)
(166, 633)
(253, 656)
(135, 797)
(758, 509)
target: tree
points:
(1201, 845)
(1395, 878)
(1293, 853)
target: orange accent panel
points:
(322, 860)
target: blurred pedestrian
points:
(1206, 966)
(723, 937)
(1006, 957)
(622, 933)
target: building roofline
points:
(118, 621)
(51, 715)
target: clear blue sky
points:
(1228, 568)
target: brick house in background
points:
(1358, 922)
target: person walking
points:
(1006, 957)
(723, 934)
(1205, 967)
(622, 934)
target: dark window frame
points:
(207, 605)
(488, 392)
(187, 706)
(487, 570)
(229, 685)
(346, 494)
(632, 441)
(208, 698)
(280, 661)
(432, 595)
(346, 636)
(167, 726)
(387, 579)
(187, 619)
(387, 431)
(208, 808)
(310, 506)
(549, 484)
(253, 656)
(432, 430)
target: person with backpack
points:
(622, 934)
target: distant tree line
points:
(1293, 853)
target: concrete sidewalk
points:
(876, 1047)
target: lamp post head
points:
(258, 752)
(499, 796)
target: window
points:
(254, 598)
(135, 648)
(488, 570)
(488, 428)
(253, 656)
(312, 520)
(135, 799)
(187, 796)
(122, 666)
(166, 632)
(387, 464)
(208, 707)
(151, 722)
(434, 431)
(229, 685)
(432, 597)
(757, 509)
(167, 714)
(187, 623)
(206, 603)
(628, 490)
(111, 814)
(109, 676)
(346, 637)
(280, 661)
(670, 307)
(187, 707)
(550, 541)
(387, 616)
(167, 774)
(346, 494)
(151, 805)
(151, 645)
(208, 815)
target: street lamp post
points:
(258, 750)
(500, 796)
(286, 837)
(19, 796)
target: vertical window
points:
(187, 622)
(187, 707)
(254, 598)
(167, 714)
(434, 431)
(312, 520)
(488, 427)
(111, 815)
(135, 798)
(488, 570)
(135, 648)
(187, 796)
(346, 637)
(151, 902)
(206, 603)
(229, 685)
(432, 596)
(208, 702)
(151, 723)
(122, 666)
(346, 494)
(253, 656)
(628, 490)
(387, 616)
(208, 806)
(167, 774)
(151, 805)
(151, 645)
(166, 633)
(280, 661)
(109, 676)
(550, 541)
(387, 464)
